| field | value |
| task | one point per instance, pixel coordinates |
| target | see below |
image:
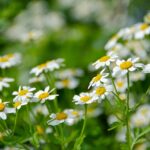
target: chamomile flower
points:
(105, 60)
(24, 94)
(9, 60)
(48, 66)
(57, 118)
(40, 109)
(143, 29)
(84, 98)
(102, 91)
(4, 110)
(99, 78)
(121, 84)
(44, 95)
(123, 66)
(4, 82)
(18, 104)
(36, 79)
(70, 83)
(73, 116)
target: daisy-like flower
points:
(18, 104)
(4, 110)
(48, 66)
(124, 66)
(4, 82)
(57, 119)
(36, 79)
(84, 98)
(73, 116)
(105, 60)
(44, 95)
(121, 84)
(9, 60)
(70, 83)
(40, 109)
(102, 91)
(24, 94)
(99, 78)
(143, 29)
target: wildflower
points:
(57, 118)
(9, 60)
(121, 84)
(4, 82)
(143, 29)
(73, 116)
(102, 91)
(18, 104)
(24, 94)
(69, 83)
(48, 66)
(4, 110)
(40, 109)
(84, 98)
(105, 60)
(99, 78)
(36, 79)
(124, 66)
(44, 95)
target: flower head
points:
(105, 60)
(4, 82)
(84, 98)
(24, 94)
(44, 95)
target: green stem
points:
(81, 137)
(62, 137)
(112, 79)
(15, 122)
(127, 113)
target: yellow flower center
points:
(4, 59)
(65, 82)
(16, 104)
(39, 129)
(144, 111)
(144, 26)
(85, 98)
(75, 113)
(97, 78)
(120, 84)
(22, 92)
(61, 116)
(100, 90)
(104, 58)
(43, 95)
(2, 106)
(126, 65)
(42, 66)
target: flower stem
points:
(127, 113)
(81, 137)
(15, 122)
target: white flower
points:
(99, 78)
(124, 66)
(36, 79)
(69, 83)
(102, 91)
(45, 95)
(136, 76)
(143, 29)
(146, 68)
(57, 118)
(40, 109)
(105, 60)
(24, 94)
(18, 104)
(4, 82)
(84, 98)
(73, 116)
(121, 84)
(4, 110)
(94, 111)
(9, 60)
(48, 66)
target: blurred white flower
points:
(4, 82)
